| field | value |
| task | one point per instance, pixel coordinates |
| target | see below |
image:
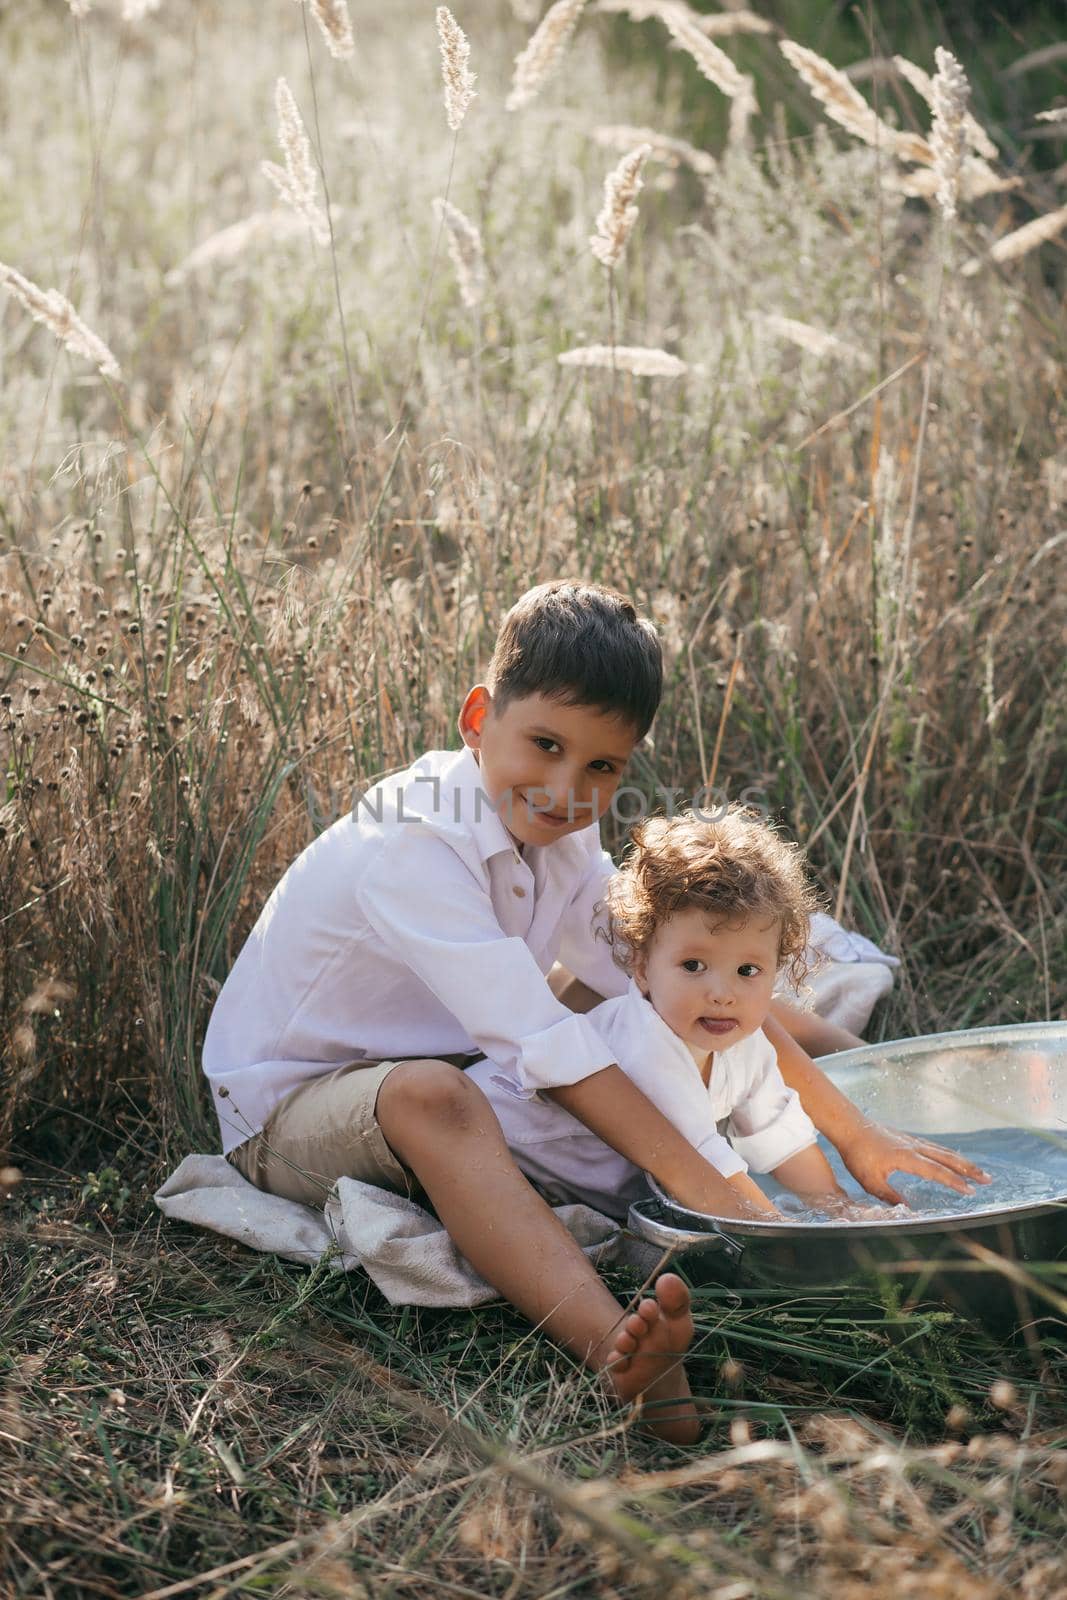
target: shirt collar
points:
(463, 778)
(645, 1015)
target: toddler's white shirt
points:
(747, 1098)
(414, 927)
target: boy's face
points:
(549, 769)
(710, 982)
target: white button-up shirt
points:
(746, 1099)
(414, 927)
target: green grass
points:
(175, 1404)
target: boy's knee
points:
(432, 1091)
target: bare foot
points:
(645, 1361)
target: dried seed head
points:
(47, 995)
(1029, 236)
(55, 311)
(296, 182)
(846, 106)
(636, 359)
(714, 63)
(617, 216)
(231, 242)
(459, 80)
(672, 152)
(546, 45)
(950, 93)
(335, 26)
(465, 248)
(923, 84)
(802, 334)
(137, 10)
(715, 25)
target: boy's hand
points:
(746, 1201)
(871, 1153)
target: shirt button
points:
(519, 890)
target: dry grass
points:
(267, 567)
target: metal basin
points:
(999, 1095)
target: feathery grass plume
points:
(1029, 236)
(296, 181)
(465, 248)
(720, 24)
(923, 84)
(815, 340)
(137, 10)
(80, 8)
(335, 25)
(546, 45)
(1057, 114)
(715, 24)
(672, 152)
(55, 311)
(641, 361)
(845, 105)
(229, 243)
(459, 80)
(714, 63)
(616, 217)
(977, 178)
(950, 94)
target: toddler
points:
(703, 916)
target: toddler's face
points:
(711, 983)
(550, 769)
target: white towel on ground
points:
(402, 1247)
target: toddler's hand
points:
(872, 1152)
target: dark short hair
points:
(583, 645)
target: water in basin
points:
(1028, 1168)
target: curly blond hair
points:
(735, 866)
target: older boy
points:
(415, 936)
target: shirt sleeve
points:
(769, 1124)
(673, 1083)
(584, 949)
(432, 913)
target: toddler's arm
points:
(808, 1175)
(869, 1151)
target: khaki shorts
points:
(325, 1129)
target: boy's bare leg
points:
(441, 1126)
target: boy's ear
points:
(472, 714)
